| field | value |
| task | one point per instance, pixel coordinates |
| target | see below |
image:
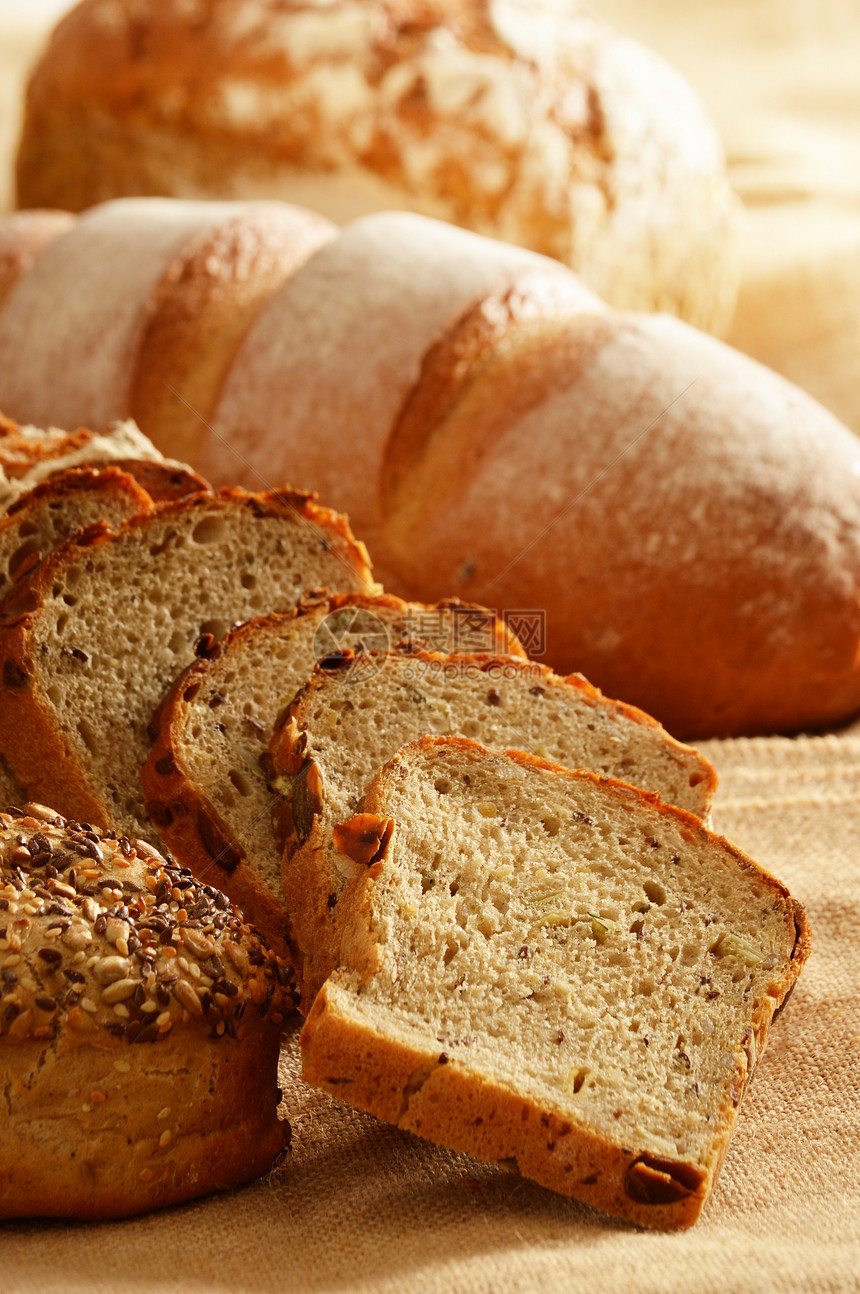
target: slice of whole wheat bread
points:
(205, 787)
(552, 970)
(90, 643)
(38, 521)
(356, 712)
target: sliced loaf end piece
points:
(554, 971)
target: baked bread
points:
(38, 521)
(139, 1030)
(30, 455)
(24, 235)
(350, 718)
(204, 781)
(91, 641)
(555, 971)
(686, 522)
(170, 290)
(530, 122)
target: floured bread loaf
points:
(529, 121)
(38, 521)
(92, 640)
(205, 786)
(552, 970)
(139, 1029)
(353, 715)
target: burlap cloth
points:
(360, 1206)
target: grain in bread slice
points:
(206, 791)
(552, 970)
(38, 521)
(355, 713)
(90, 643)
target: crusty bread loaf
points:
(555, 971)
(91, 641)
(526, 121)
(30, 455)
(352, 716)
(685, 523)
(121, 282)
(38, 521)
(140, 1028)
(205, 781)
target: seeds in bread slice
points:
(38, 521)
(205, 788)
(552, 970)
(346, 723)
(93, 639)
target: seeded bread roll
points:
(38, 521)
(30, 455)
(532, 122)
(204, 782)
(140, 1021)
(555, 971)
(353, 715)
(91, 641)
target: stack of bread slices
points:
(546, 967)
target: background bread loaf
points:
(686, 523)
(529, 121)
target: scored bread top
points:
(552, 968)
(206, 790)
(100, 933)
(94, 638)
(347, 721)
(48, 514)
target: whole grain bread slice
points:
(90, 642)
(38, 521)
(355, 712)
(204, 781)
(552, 970)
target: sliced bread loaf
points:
(90, 643)
(346, 722)
(205, 786)
(38, 521)
(552, 970)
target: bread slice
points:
(346, 722)
(38, 521)
(552, 970)
(205, 788)
(90, 643)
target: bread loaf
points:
(139, 1032)
(353, 715)
(554, 971)
(205, 779)
(678, 523)
(531, 122)
(93, 638)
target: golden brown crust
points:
(165, 482)
(415, 1083)
(118, 967)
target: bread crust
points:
(414, 1083)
